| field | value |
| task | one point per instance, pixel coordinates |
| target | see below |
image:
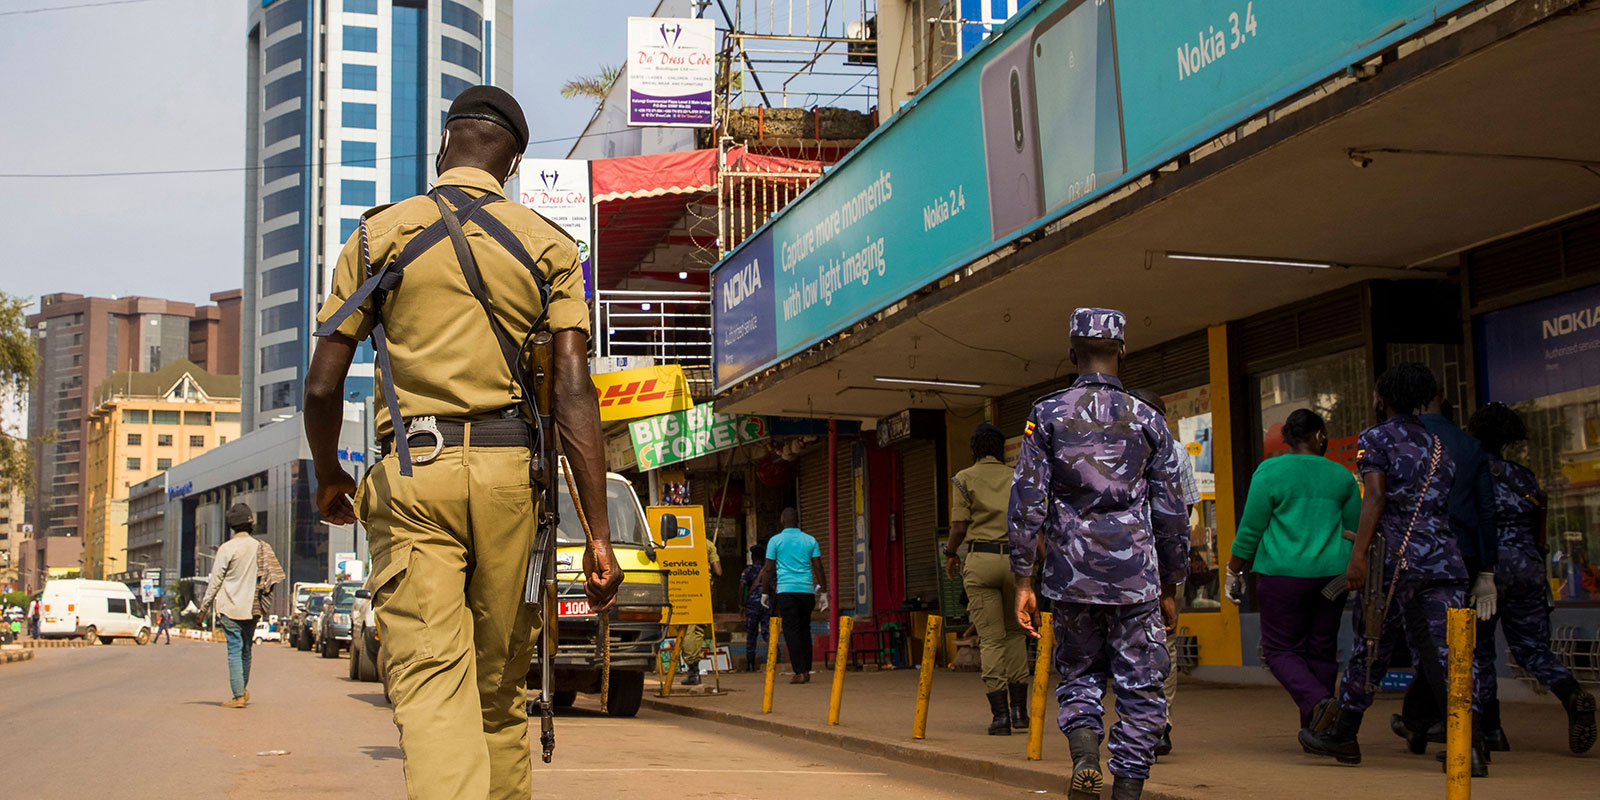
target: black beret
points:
(241, 518)
(492, 104)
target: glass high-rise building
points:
(347, 99)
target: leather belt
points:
(452, 433)
(989, 547)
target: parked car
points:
(300, 592)
(266, 631)
(306, 621)
(637, 621)
(364, 644)
(333, 630)
(96, 610)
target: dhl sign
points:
(642, 392)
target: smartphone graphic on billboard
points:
(1010, 139)
(1077, 101)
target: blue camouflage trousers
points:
(1524, 609)
(1128, 645)
(755, 628)
(1417, 608)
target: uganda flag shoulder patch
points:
(1027, 429)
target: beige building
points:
(141, 424)
(12, 534)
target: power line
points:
(71, 7)
(223, 170)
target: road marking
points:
(715, 771)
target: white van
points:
(92, 609)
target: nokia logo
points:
(1571, 322)
(741, 285)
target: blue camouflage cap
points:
(1097, 323)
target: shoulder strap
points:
(469, 270)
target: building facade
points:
(346, 101)
(81, 341)
(142, 424)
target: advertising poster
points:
(1194, 436)
(1064, 105)
(682, 435)
(683, 556)
(642, 392)
(558, 189)
(671, 71)
(1541, 348)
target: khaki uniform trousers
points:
(992, 605)
(450, 550)
(1169, 687)
(695, 638)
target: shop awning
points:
(665, 201)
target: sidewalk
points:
(1230, 741)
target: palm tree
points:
(592, 86)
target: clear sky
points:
(155, 85)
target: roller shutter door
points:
(814, 514)
(920, 488)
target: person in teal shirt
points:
(1292, 536)
(793, 573)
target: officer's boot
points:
(1339, 742)
(693, 676)
(998, 704)
(1127, 788)
(1086, 778)
(1494, 736)
(1164, 744)
(1019, 706)
(1580, 714)
(1479, 750)
(1416, 740)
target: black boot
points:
(1086, 778)
(1019, 706)
(1127, 788)
(693, 676)
(1478, 750)
(1416, 741)
(1494, 736)
(1580, 714)
(1164, 744)
(1001, 724)
(1339, 742)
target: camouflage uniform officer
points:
(451, 528)
(979, 495)
(1406, 475)
(757, 606)
(1523, 586)
(1097, 487)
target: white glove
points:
(766, 601)
(1484, 595)
(1234, 588)
(822, 600)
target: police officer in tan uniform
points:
(452, 528)
(978, 498)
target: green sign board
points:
(682, 435)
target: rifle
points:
(539, 590)
(1373, 602)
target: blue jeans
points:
(241, 635)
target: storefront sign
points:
(682, 435)
(894, 428)
(1063, 107)
(1541, 348)
(863, 538)
(671, 71)
(642, 392)
(685, 559)
(180, 491)
(559, 190)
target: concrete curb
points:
(7, 656)
(1026, 777)
(35, 643)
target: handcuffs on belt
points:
(430, 426)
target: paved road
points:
(143, 722)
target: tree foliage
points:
(17, 362)
(592, 86)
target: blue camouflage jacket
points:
(1399, 447)
(1098, 483)
(1517, 500)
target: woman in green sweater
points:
(1292, 537)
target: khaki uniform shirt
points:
(979, 498)
(445, 359)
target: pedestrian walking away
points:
(793, 574)
(1190, 490)
(1472, 521)
(696, 636)
(1406, 475)
(1292, 535)
(757, 606)
(450, 508)
(1523, 586)
(33, 616)
(239, 588)
(1097, 491)
(978, 498)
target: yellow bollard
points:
(1041, 686)
(672, 663)
(930, 654)
(845, 625)
(773, 629)
(1463, 630)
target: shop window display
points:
(1338, 387)
(1563, 450)
(1189, 417)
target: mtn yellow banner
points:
(642, 392)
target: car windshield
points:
(346, 594)
(621, 505)
(314, 603)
